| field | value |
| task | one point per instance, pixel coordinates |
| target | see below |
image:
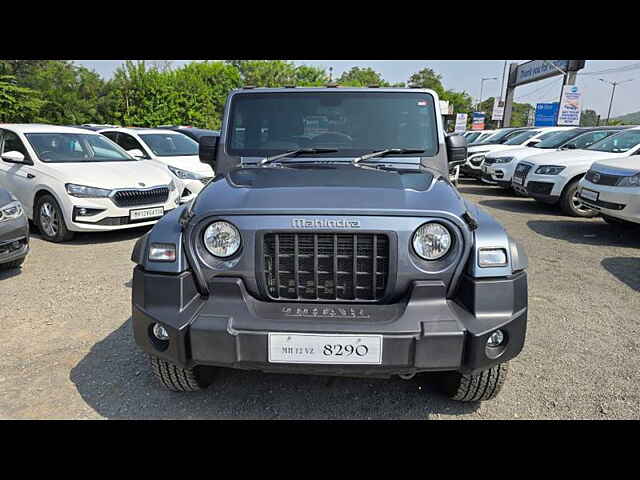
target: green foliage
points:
(361, 77)
(628, 119)
(589, 118)
(427, 78)
(17, 104)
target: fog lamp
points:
(161, 333)
(492, 257)
(495, 339)
(162, 252)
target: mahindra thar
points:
(331, 242)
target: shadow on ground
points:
(90, 238)
(10, 272)
(114, 378)
(527, 206)
(625, 269)
(586, 232)
(486, 190)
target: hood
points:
(337, 190)
(190, 163)
(619, 166)
(492, 148)
(566, 157)
(5, 197)
(520, 153)
(112, 174)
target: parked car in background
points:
(93, 126)
(612, 188)
(73, 180)
(498, 167)
(472, 135)
(553, 177)
(511, 140)
(483, 136)
(191, 132)
(178, 152)
(14, 232)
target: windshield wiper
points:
(295, 153)
(382, 153)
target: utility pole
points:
(481, 87)
(504, 72)
(613, 91)
(330, 74)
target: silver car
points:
(14, 232)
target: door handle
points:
(30, 176)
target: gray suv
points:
(331, 242)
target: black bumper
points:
(14, 240)
(425, 332)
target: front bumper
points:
(499, 173)
(424, 332)
(617, 202)
(14, 239)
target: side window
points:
(12, 143)
(129, 143)
(111, 136)
(591, 138)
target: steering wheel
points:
(45, 152)
(332, 137)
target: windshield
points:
(521, 137)
(170, 144)
(482, 137)
(76, 147)
(617, 143)
(496, 137)
(472, 137)
(266, 124)
(556, 139)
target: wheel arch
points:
(40, 192)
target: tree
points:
(307, 76)
(265, 73)
(427, 78)
(361, 77)
(17, 104)
(589, 118)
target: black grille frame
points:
(603, 178)
(134, 197)
(522, 170)
(386, 241)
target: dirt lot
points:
(68, 350)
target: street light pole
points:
(613, 91)
(481, 88)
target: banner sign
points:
(546, 114)
(498, 110)
(477, 121)
(461, 122)
(538, 69)
(569, 112)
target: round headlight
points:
(222, 239)
(431, 241)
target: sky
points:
(466, 75)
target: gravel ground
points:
(69, 352)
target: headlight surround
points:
(432, 241)
(222, 239)
(184, 174)
(631, 181)
(82, 191)
(549, 169)
(11, 211)
(503, 160)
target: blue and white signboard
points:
(538, 69)
(546, 114)
(569, 113)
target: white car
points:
(498, 167)
(612, 187)
(503, 139)
(74, 180)
(484, 135)
(177, 151)
(553, 177)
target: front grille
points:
(135, 198)
(521, 171)
(325, 266)
(542, 188)
(602, 178)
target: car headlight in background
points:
(632, 181)
(503, 160)
(431, 241)
(82, 191)
(11, 211)
(222, 239)
(184, 174)
(549, 170)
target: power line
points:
(625, 68)
(545, 87)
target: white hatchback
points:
(75, 180)
(177, 151)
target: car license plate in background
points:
(335, 349)
(589, 194)
(146, 213)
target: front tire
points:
(50, 220)
(475, 387)
(179, 379)
(571, 205)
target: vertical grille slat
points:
(135, 198)
(316, 266)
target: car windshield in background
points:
(472, 137)
(76, 147)
(617, 143)
(556, 139)
(496, 137)
(266, 124)
(170, 144)
(521, 137)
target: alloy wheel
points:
(49, 219)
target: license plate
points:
(589, 194)
(518, 180)
(332, 349)
(146, 213)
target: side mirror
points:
(13, 157)
(456, 150)
(136, 153)
(207, 150)
(570, 146)
(533, 142)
